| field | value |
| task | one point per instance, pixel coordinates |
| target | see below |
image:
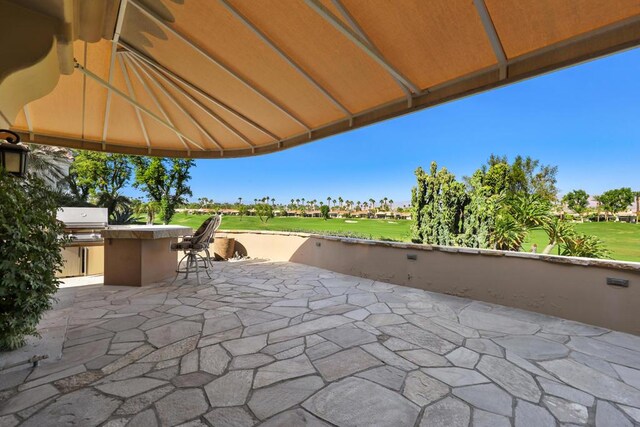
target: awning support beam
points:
(132, 94)
(112, 63)
(134, 103)
(490, 29)
(284, 56)
(27, 116)
(197, 124)
(189, 97)
(361, 43)
(358, 29)
(163, 72)
(219, 64)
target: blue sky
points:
(584, 119)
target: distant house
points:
(360, 214)
(234, 212)
(384, 215)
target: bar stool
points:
(193, 245)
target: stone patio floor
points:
(283, 344)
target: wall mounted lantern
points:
(13, 155)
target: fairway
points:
(377, 229)
(622, 239)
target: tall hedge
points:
(30, 255)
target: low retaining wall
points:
(567, 287)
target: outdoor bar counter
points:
(137, 255)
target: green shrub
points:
(30, 255)
(582, 245)
(324, 211)
(264, 212)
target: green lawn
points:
(622, 239)
(376, 229)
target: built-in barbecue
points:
(84, 254)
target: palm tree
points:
(559, 232)
(329, 202)
(373, 203)
(599, 208)
(51, 164)
(273, 201)
(239, 200)
(637, 195)
(391, 204)
(341, 201)
(334, 202)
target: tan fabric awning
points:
(230, 78)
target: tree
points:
(437, 204)
(51, 164)
(559, 232)
(146, 208)
(104, 175)
(242, 211)
(637, 196)
(617, 200)
(324, 211)
(264, 212)
(164, 181)
(577, 201)
(524, 175)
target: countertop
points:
(145, 231)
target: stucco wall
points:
(571, 288)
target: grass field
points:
(376, 229)
(622, 239)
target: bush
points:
(582, 245)
(30, 255)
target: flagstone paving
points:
(283, 344)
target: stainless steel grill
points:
(83, 225)
(85, 253)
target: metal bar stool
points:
(193, 245)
